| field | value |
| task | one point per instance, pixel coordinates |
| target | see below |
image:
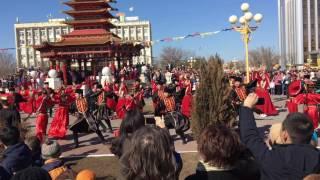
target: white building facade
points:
(298, 31)
(29, 34)
(134, 30)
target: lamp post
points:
(245, 29)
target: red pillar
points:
(64, 71)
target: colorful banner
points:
(168, 39)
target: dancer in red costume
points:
(186, 104)
(28, 105)
(294, 89)
(125, 102)
(267, 108)
(139, 95)
(42, 103)
(60, 122)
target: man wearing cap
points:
(55, 166)
(172, 118)
(85, 122)
(102, 112)
(238, 93)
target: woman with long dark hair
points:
(132, 121)
(151, 156)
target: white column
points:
(309, 25)
(316, 25)
(299, 22)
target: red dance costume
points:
(125, 103)
(262, 92)
(186, 104)
(29, 105)
(60, 122)
(42, 119)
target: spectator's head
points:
(150, 156)
(133, 121)
(86, 175)
(219, 146)
(32, 173)
(297, 128)
(50, 150)
(9, 136)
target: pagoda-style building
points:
(90, 43)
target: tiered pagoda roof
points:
(91, 23)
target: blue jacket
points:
(285, 162)
(16, 158)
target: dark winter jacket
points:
(16, 158)
(283, 162)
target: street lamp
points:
(245, 29)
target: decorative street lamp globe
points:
(233, 19)
(245, 7)
(242, 20)
(248, 16)
(258, 18)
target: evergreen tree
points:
(212, 105)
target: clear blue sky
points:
(168, 17)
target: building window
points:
(36, 34)
(21, 34)
(29, 33)
(29, 42)
(22, 42)
(132, 31)
(146, 38)
(139, 30)
(58, 32)
(119, 31)
(126, 32)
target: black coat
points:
(283, 162)
(16, 158)
(10, 117)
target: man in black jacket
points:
(17, 155)
(294, 159)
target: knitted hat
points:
(32, 173)
(50, 149)
(86, 175)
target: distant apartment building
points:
(132, 29)
(299, 31)
(29, 34)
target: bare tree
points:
(263, 56)
(174, 56)
(7, 64)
